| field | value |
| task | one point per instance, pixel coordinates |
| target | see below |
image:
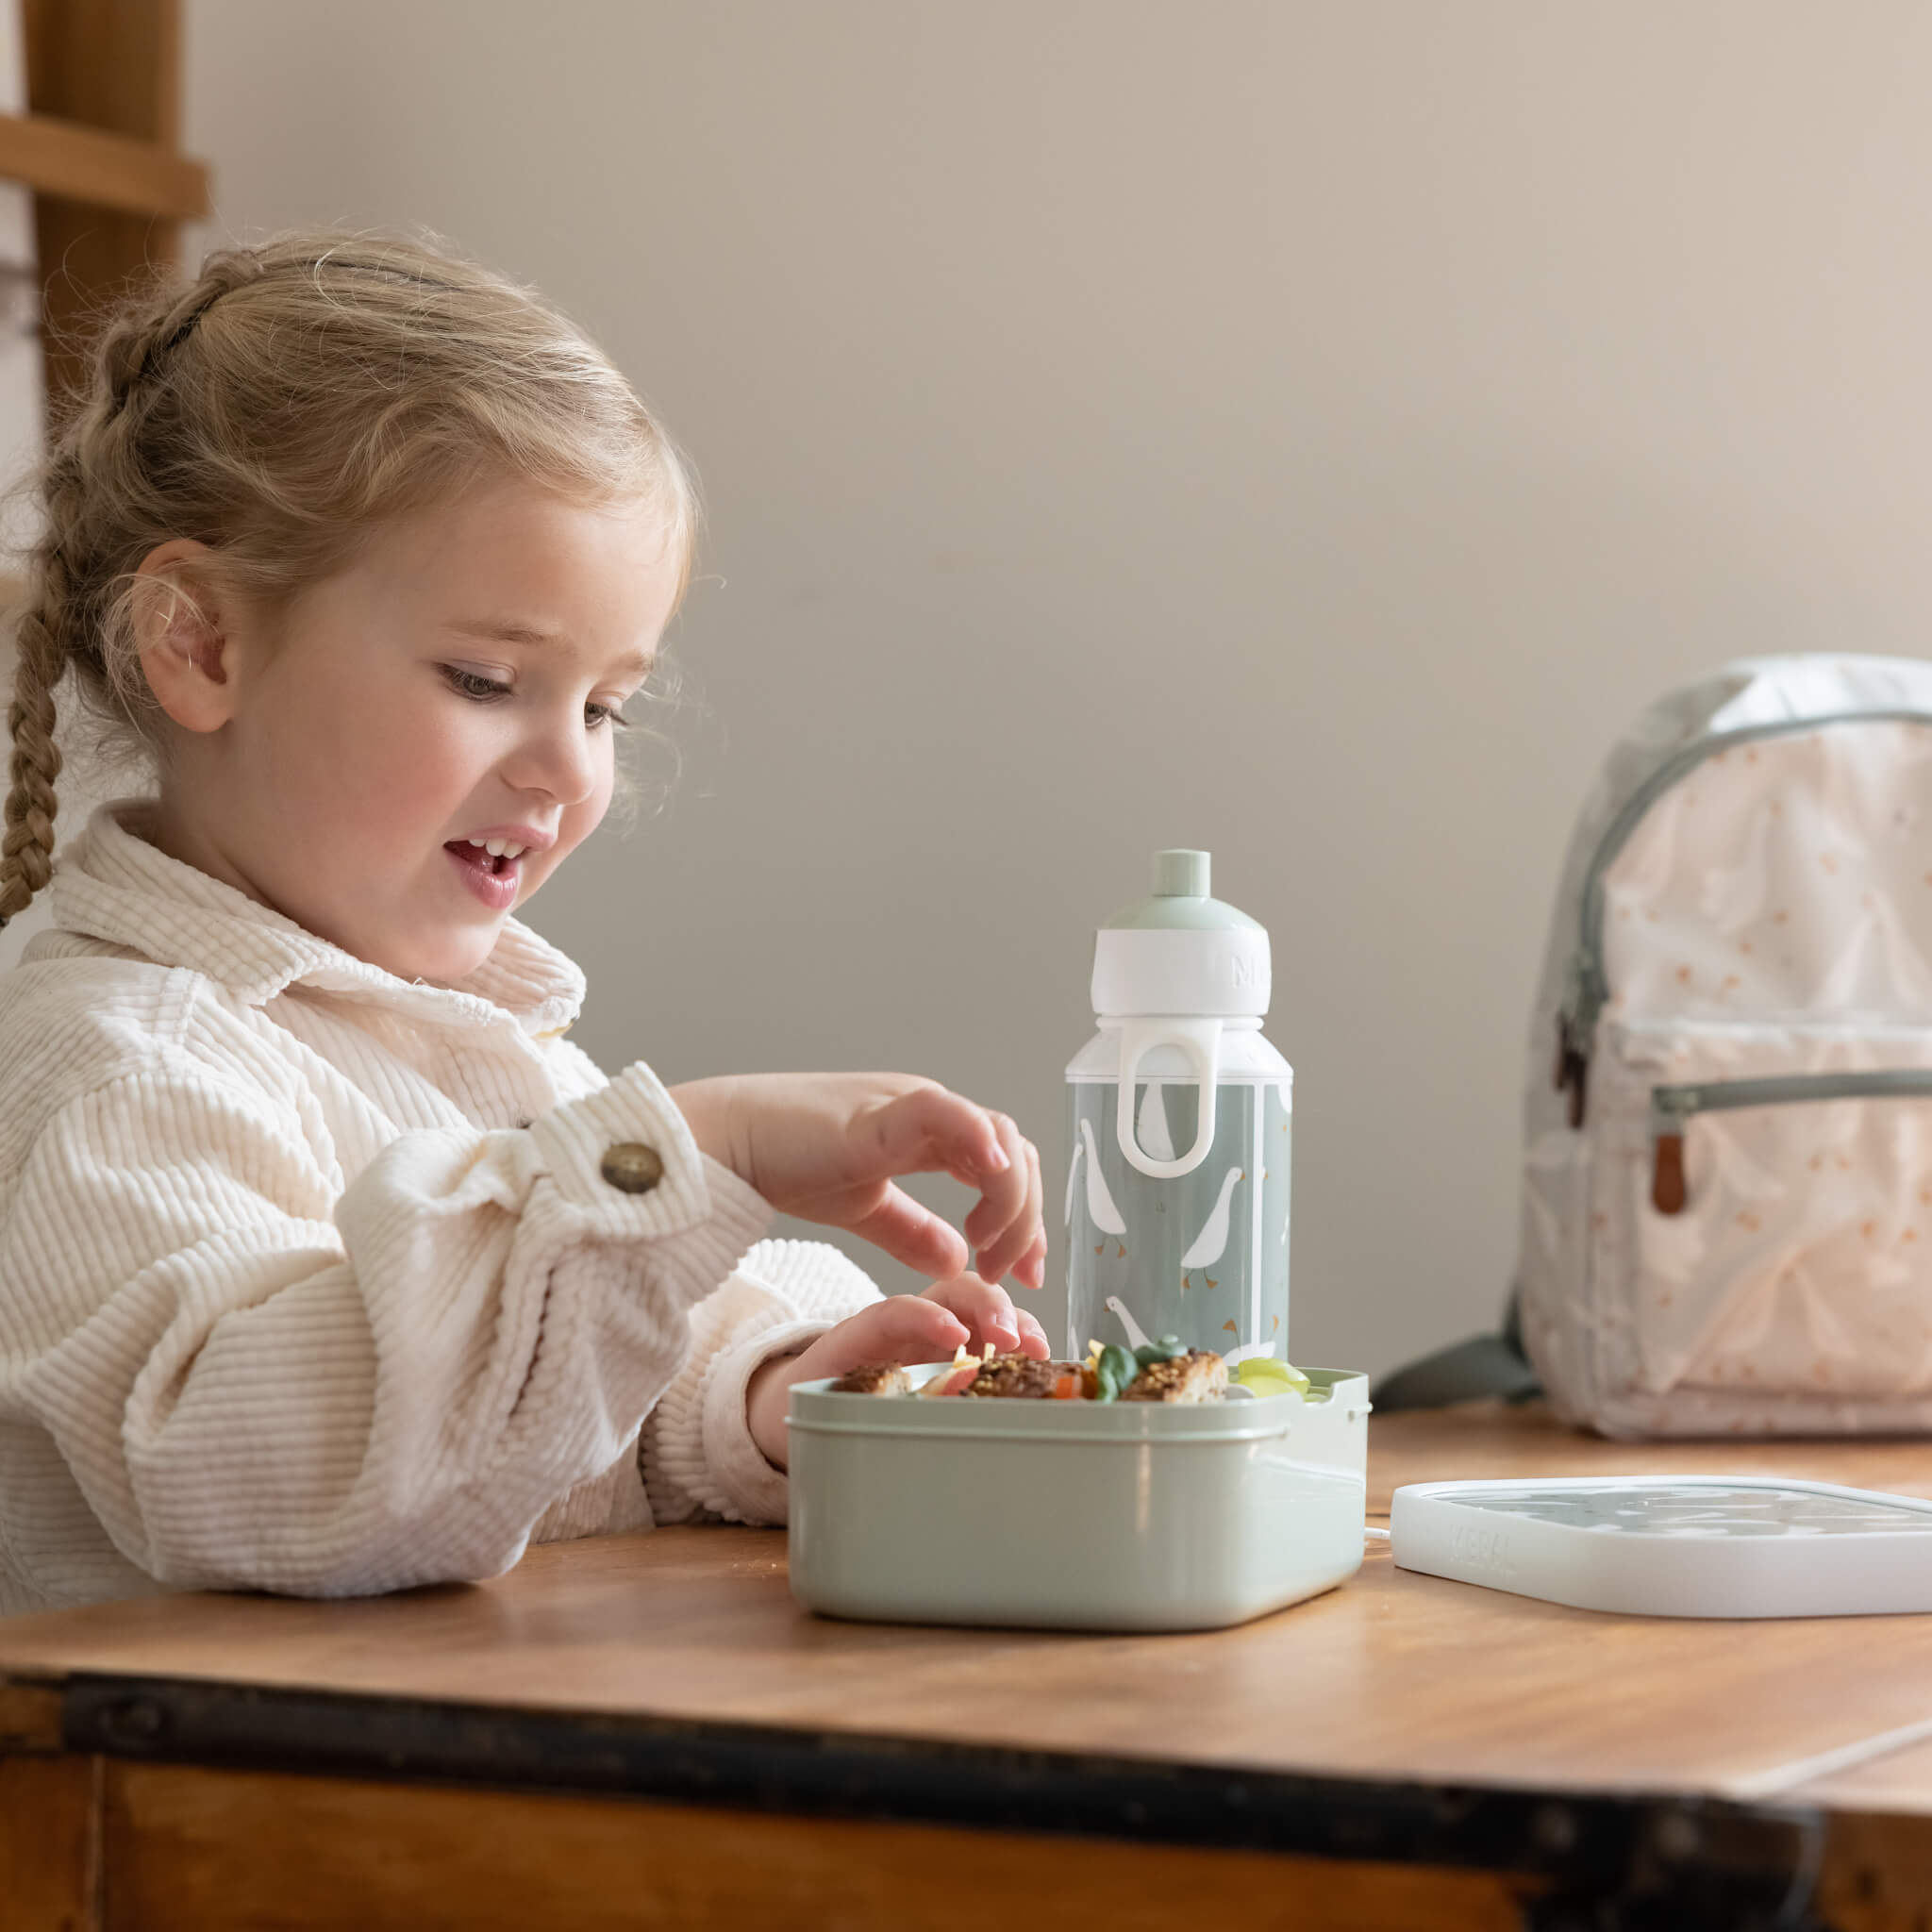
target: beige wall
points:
(1304, 431)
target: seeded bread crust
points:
(1200, 1375)
(1019, 1376)
(874, 1378)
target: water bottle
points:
(1180, 1122)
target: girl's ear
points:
(186, 652)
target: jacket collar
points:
(110, 884)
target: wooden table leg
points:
(49, 1819)
(1878, 1874)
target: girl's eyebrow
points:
(506, 631)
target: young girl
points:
(327, 1263)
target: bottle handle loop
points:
(1200, 1039)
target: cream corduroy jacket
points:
(309, 1280)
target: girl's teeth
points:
(500, 848)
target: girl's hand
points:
(928, 1327)
(827, 1146)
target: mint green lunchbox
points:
(1076, 1515)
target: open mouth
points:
(493, 877)
(500, 864)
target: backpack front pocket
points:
(1761, 1213)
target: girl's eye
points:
(473, 684)
(485, 691)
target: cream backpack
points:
(1728, 1176)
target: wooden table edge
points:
(1727, 1854)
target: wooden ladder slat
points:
(100, 168)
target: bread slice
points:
(874, 1378)
(1200, 1375)
(1019, 1376)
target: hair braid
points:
(26, 849)
(48, 635)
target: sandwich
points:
(1197, 1376)
(874, 1378)
(1020, 1377)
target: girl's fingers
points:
(996, 1226)
(933, 1129)
(988, 1310)
(1033, 1339)
(984, 1308)
(1024, 1225)
(928, 1327)
(1031, 1268)
(901, 1328)
(1030, 1271)
(913, 1235)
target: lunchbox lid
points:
(1243, 1419)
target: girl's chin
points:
(459, 954)
(441, 957)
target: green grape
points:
(1267, 1377)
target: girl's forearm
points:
(711, 1110)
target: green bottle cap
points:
(1180, 899)
(1181, 874)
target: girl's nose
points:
(557, 758)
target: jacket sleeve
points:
(261, 1378)
(696, 1449)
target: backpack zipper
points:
(1671, 1107)
(1587, 989)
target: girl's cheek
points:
(580, 821)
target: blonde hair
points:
(280, 407)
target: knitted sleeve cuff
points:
(697, 1450)
(746, 1485)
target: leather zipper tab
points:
(1668, 1193)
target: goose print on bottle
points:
(1211, 1242)
(1100, 1208)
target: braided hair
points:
(278, 407)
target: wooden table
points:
(645, 1731)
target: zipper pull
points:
(1670, 1108)
(1667, 1190)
